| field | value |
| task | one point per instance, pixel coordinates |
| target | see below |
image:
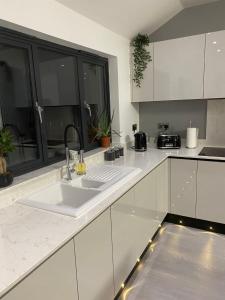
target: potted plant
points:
(103, 131)
(6, 146)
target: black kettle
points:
(140, 141)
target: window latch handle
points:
(39, 110)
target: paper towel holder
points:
(192, 137)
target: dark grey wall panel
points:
(193, 20)
(176, 113)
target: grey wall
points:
(216, 122)
(190, 21)
(193, 20)
(177, 113)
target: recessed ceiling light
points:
(214, 42)
(218, 50)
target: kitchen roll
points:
(192, 137)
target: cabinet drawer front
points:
(183, 187)
(211, 191)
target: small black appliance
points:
(140, 141)
(168, 141)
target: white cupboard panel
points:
(134, 222)
(179, 68)
(183, 187)
(54, 279)
(214, 86)
(93, 248)
(124, 233)
(162, 186)
(145, 92)
(146, 200)
(211, 191)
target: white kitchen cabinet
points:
(145, 92)
(162, 190)
(179, 68)
(54, 279)
(211, 191)
(93, 248)
(133, 225)
(146, 197)
(183, 187)
(214, 86)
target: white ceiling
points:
(128, 17)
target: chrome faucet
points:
(68, 169)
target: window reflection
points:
(16, 103)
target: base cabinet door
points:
(133, 224)
(146, 201)
(55, 279)
(183, 187)
(211, 191)
(93, 248)
(162, 190)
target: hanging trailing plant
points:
(141, 57)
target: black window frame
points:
(31, 43)
(103, 64)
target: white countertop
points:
(28, 236)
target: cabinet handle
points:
(39, 110)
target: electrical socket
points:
(134, 127)
(163, 126)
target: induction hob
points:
(212, 151)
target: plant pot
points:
(105, 141)
(6, 179)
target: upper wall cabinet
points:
(179, 68)
(145, 92)
(215, 65)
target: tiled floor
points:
(183, 264)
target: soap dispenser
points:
(80, 166)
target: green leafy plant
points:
(141, 57)
(6, 146)
(104, 125)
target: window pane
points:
(57, 118)
(16, 104)
(60, 99)
(94, 97)
(57, 77)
